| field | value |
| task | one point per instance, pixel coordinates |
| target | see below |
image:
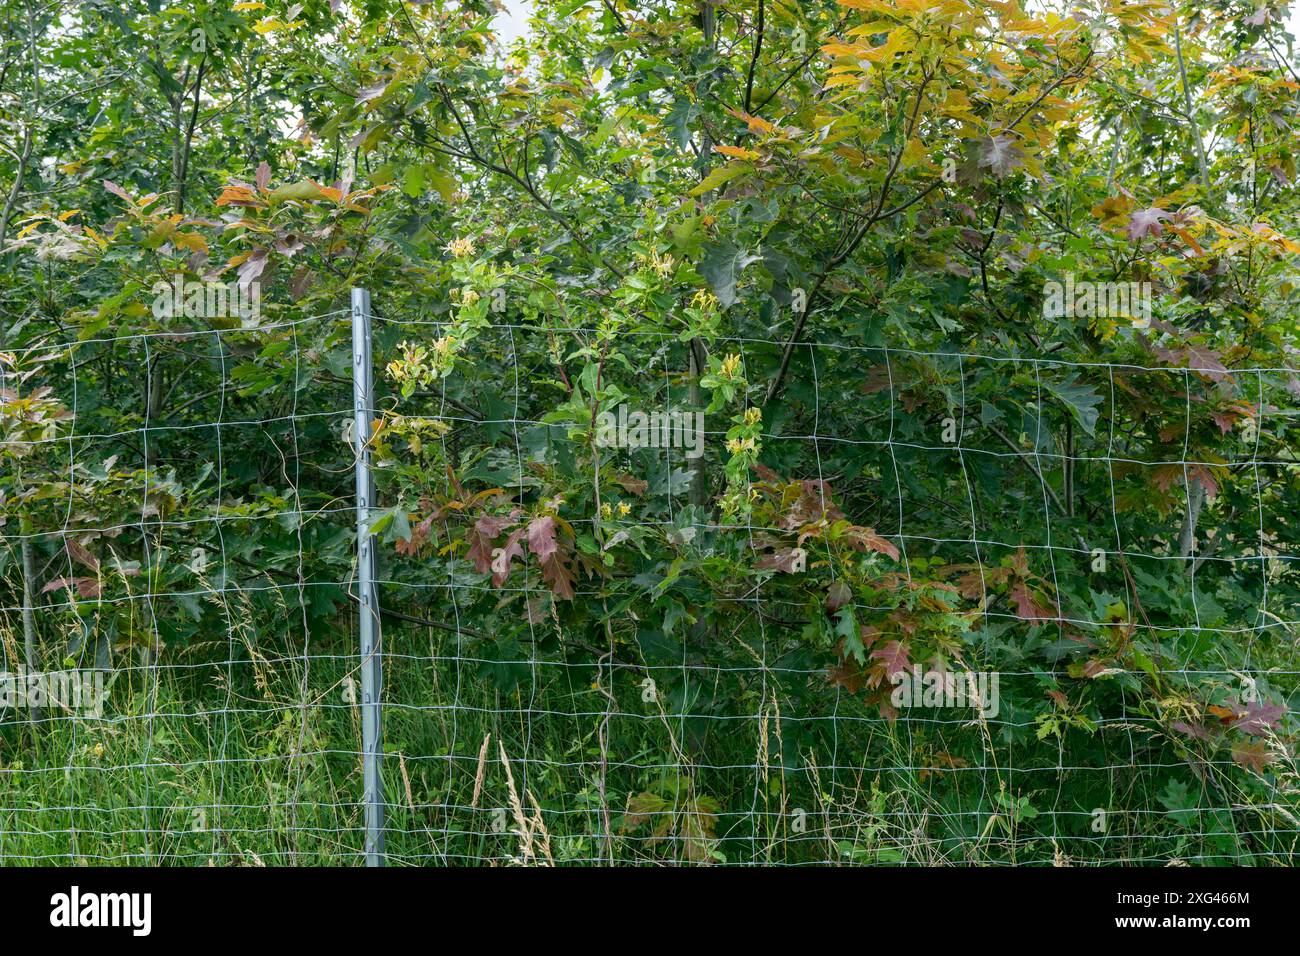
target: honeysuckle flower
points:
(460, 248)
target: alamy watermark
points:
(630, 428)
(206, 300)
(78, 691)
(1086, 300)
(75, 909)
(946, 689)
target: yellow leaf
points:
(249, 5)
(191, 241)
(845, 79)
(757, 125)
(736, 151)
(915, 151)
(872, 28)
(238, 194)
(844, 49)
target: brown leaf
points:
(301, 282)
(503, 557)
(86, 587)
(866, 539)
(894, 657)
(237, 194)
(1261, 716)
(641, 808)
(117, 191)
(1000, 155)
(1195, 731)
(1204, 361)
(847, 675)
(289, 245)
(788, 560)
(481, 537)
(541, 537)
(838, 594)
(633, 486)
(556, 573)
(1027, 606)
(1252, 755)
(79, 553)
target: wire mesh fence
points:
(967, 608)
(187, 555)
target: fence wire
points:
(612, 652)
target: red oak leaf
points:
(541, 537)
(503, 556)
(1260, 717)
(481, 536)
(894, 656)
(557, 574)
(1027, 606)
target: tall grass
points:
(245, 752)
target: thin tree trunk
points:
(1193, 127)
(1187, 537)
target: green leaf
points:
(722, 265)
(302, 191)
(413, 180)
(718, 177)
(1082, 401)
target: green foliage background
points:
(832, 227)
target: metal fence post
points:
(367, 595)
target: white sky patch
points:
(512, 24)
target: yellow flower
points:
(753, 416)
(460, 248)
(662, 265)
(624, 509)
(705, 301)
(730, 366)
